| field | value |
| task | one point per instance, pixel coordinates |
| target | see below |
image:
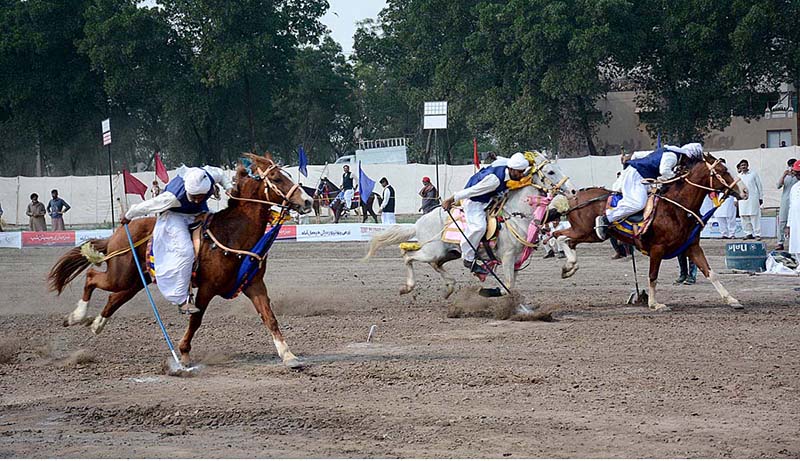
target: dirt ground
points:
(602, 380)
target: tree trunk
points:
(248, 104)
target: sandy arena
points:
(602, 380)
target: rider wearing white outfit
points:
(481, 188)
(182, 200)
(653, 165)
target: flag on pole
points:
(161, 170)
(133, 185)
(365, 185)
(475, 159)
(303, 161)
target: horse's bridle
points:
(269, 185)
(712, 173)
(536, 168)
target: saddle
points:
(450, 234)
(196, 231)
(637, 224)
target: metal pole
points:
(436, 152)
(111, 188)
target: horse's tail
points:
(73, 263)
(391, 236)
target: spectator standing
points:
(786, 182)
(57, 207)
(726, 216)
(387, 203)
(430, 196)
(155, 189)
(793, 222)
(750, 209)
(36, 212)
(347, 187)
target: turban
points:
(518, 162)
(426, 179)
(196, 181)
(694, 149)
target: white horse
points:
(518, 212)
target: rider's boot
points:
(188, 306)
(475, 267)
(601, 226)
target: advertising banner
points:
(10, 239)
(48, 239)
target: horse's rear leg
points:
(257, 292)
(408, 259)
(115, 301)
(79, 314)
(697, 256)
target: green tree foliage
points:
(50, 103)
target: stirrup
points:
(601, 226)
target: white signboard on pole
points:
(106, 124)
(435, 115)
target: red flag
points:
(475, 158)
(133, 185)
(161, 170)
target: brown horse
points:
(325, 195)
(238, 227)
(675, 216)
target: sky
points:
(342, 16)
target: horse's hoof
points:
(449, 292)
(405, 290)
(736, 304)
(567, 273)
(660, 307)
(294, 364)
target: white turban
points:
(693, 149)
(196, 181)
(518, 162)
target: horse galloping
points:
(514, 236)
(259, 188)
(675, 227)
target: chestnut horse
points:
(676, 215)
(326, 193)
(259, 188)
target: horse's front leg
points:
(195, 320)
(565, 241)
(257, 292)
(655, 264)
(697, 256)
(508, 260)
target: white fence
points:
(91, 204)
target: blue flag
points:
(365, 185)
(303, 161)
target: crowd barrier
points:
(345, 232)
(288, 233)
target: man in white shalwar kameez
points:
(177, 206)
(650, 165)
(750, 209)
(793, 219)
(481, 188)
(726, 216)
(786, 182)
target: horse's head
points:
(721, 179)
(548, 174)
(278, 187)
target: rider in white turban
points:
(658, 165)
(481, 188)
(182, 200)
